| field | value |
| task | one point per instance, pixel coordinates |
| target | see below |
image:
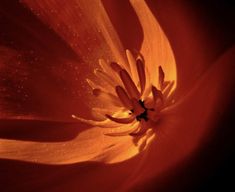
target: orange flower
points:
(151, 124)
(145, 95)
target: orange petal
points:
(155, 47)
(74, 22)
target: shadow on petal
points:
(120, 12)
(40, 73)
(39, 130)
(30, 176)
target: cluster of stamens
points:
(143, 115)
(138, 101)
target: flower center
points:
(143, 113)
(132, 99)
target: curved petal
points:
(193, 32)
(155, 47)
(178, 136)
(87, 145)
(60, 80)
(64, 143)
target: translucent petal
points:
(126, 120)
(155, 47)
(81, 145)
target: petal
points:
(107, 81)
(38, 71)
(93, 144)
(87, 145)
(189, 31)
(90, 39)
(124, 130)
(189, 125)
(106, 98)
(106, 68)
(155, 47)
(74, 21)
(39, 130)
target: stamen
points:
(96, 85)
(161, 77)
(117, 68)
(121, 120)
(104, 124)
(99, 113)
(132, 63)
(102, 111)
(137, 107)
(124, 97)
(105, 77)
(134, 127)
(141, 73)
(129, 85)
(104, 65)
(91, 84)
(157, 94)
(168, 89)
(143, 115)
(141, 131)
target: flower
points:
(178, 135)
(149, 90)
